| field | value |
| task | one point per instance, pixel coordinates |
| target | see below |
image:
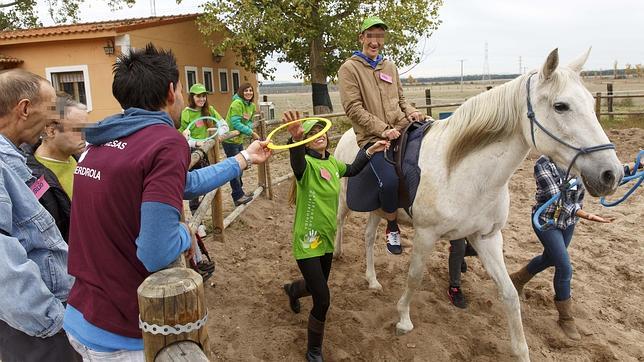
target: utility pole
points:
(520, 66)
(486, 67)
(153, 7)
(461, 60)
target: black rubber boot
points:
(295, 291)
(315, 337)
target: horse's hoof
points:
(375, 285)
(402, 329)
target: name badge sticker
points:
(325, 174)
(386, 77)
(199, 123)
(39, 187)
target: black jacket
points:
(54, 200)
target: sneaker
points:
(456, 297)
(242, 200)
(393, 242)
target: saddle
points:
(362, 196)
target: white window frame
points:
(74, 68)
(212, 78)
(219, 71)
(235, 71)
(191, 68)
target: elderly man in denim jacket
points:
(33, 254)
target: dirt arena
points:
(249, 317)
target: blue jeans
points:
(388, 181)
(555, 253)
(232, 149)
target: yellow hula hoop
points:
(273, 146)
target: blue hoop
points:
(215, 120)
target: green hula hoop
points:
(199, 119)
(298, 143)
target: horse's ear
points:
(577, 64)
(550, 65)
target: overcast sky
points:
(512, 28)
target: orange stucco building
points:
(78, 58)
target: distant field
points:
(450, 93)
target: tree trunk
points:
(321, 100)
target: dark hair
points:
(205, 110)
(141, 78)
(17, 84)
(242, 88)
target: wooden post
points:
(609, 100)
(169, 298)
(182, 352)
(428, 101)
(217, 206)
(264, 170)
(598, 105)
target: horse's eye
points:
(561, 107)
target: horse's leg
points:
(423, 242)
(343, 211)
(370, 237)
(490, 251)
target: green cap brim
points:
(371, 22)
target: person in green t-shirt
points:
(197, 107)
(240, 118)
(315, 195)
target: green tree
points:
(315, 35)
(21, 14)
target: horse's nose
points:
(608, 178)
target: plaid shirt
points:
(548, 178)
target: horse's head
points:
(564, 108)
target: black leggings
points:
(316, 274)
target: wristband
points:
(368, 154)
(246, 156)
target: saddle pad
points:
(363, 189)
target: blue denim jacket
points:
(33, 254)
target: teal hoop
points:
(199, 119)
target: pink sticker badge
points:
(40, 187)
(325, 174)
(199, 123)
(386, 77)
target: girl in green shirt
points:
(317, 188)
(197, 107)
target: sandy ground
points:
(250, 319)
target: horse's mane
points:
(495, 114)
(484, 119)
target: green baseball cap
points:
(372, 21)
(309, 124)
(198, 88)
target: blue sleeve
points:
(237, 123)
(26, 304)
(161, 238)
(204, 180)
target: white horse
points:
(466, 162)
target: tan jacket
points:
(372, 98)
